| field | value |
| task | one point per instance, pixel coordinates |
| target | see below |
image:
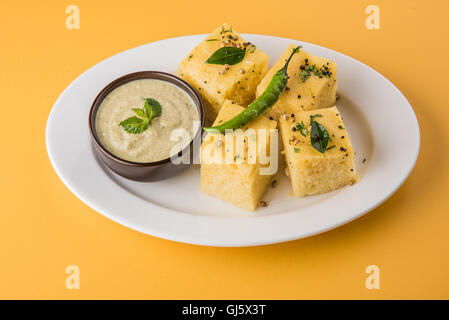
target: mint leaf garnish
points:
(151, 109)
(135, 125)
(139, 112)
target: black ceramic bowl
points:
(149, 171)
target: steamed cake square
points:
(310, 171)
(239, 182)
(316, 92)
(213, 82)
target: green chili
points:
(258, 107)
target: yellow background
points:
(44, 227)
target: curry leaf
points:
(227, 55)
(319, 137)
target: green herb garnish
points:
(304, 75)
(134, 125)
(302, 129)
(139, 112)
(296, 150)
(227, 55)
(252, 48)
(319, 137)
(212, 40)
(331, 147)
(151, 109)
(308, 70)
(265, 101)
(224, 31)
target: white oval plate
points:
(380, 121)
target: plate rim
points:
(190, 240)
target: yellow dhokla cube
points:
(312, 83)
(310, 171)
(215, 83)
(238, 175)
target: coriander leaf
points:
(312, 118)
(302, 129)
(308, 70)
(152, 108)
(135, 125)
(139, 112)
(212, 40)
(227, 55)
(296, 150)
(304, 75)
(319, 137)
